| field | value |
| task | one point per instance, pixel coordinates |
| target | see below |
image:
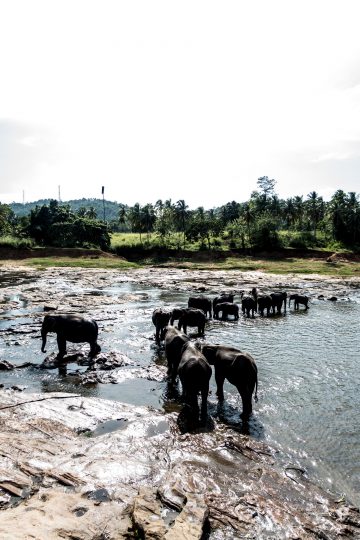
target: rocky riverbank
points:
(59, 481)
(89, 468)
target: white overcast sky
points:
(189, 100)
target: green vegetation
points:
(263, 223)
(80, 262)
(244, 264)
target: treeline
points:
(265, 221)
(56, 225)
(96, 208)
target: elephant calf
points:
(299, 299)
(192, 317)
(174, 342)
(195, 373)
(224, 297)
(264, 302)
(239, 368)
(160, 319)
(226, 309)
(278, 299)
(248, 305)
(74, 328)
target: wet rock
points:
(146, 515)
(110, 361)
(189, 525)
(6, 366)
(50, 308)
(18, 388)
(332, 298)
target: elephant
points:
(278, 299)
(174, 342)
(299, 299)
(176, 314)
(69, 327)
(264, 302)
(238, 367)
(160, 319)
(226, 309)
(195, 373)
(248, 304)
(224, 297)
(192, 317)
(200, 302)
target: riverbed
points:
(307, 359)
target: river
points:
(307, 360)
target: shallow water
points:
(307, 360)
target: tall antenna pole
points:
(102, 191)
(59, 195)
(23, 196)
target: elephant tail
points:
(256, 388)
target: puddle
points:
(110, 426)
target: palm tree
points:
(91, 213)
(181, 210)
(122, 214)
(315, 207)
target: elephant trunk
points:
(43, 335)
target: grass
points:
(244, 264)
(70, 262)
(281, 266)
(15, 242)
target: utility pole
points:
(102, 191)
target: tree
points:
(6, 219)
(315, 210)
(267, 186)
(181, 215)
(134, 217)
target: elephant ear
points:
(197, 345)
(50, 322)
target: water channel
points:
(307, 360)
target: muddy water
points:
(308, 360)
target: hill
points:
(111, 207)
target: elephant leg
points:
(61, 341)
(94, 349)
(246, 402)
(219, 379)
(204, 396)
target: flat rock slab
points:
(57, 473)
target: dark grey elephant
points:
(299, 299)
(74, 328)
(201, 302)
(194, 372)
(278, 299)
(248, 305)
(192, 317)
(160, 319)
(226, 309)
(224, 297)
(238, 367)
(176, 314)
(174, 342)
(264, 302)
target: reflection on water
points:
(308, 373)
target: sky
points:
(191, 100)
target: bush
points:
(265, 234)
(15, 242)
